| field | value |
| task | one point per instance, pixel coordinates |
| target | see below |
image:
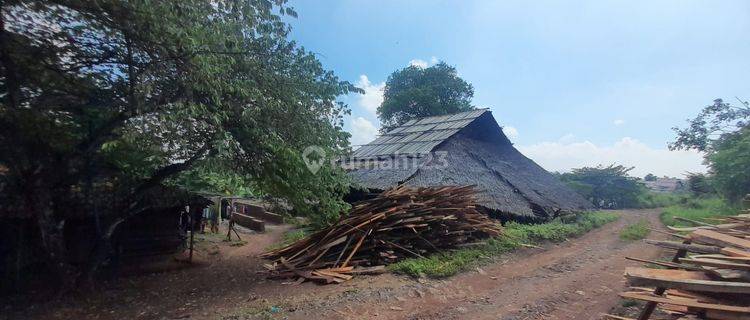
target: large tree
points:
(722, 131)
(415, 92)
(117, 97)
(606, 187)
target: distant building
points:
(665, 184)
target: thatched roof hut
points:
(460, 149)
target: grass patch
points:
(515, 234)
(635, 231)
(696, 209)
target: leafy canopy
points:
(101, 102)
(605, 187)
(730, 164)
(722, 131)
(710, 124)
(415, 92)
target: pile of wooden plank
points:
(708, 278)
(399, 223)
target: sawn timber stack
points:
(399, 223)
(709, 276)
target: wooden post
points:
(651, 305)
(192, 232)
(230, 227)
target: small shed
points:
(467, 148)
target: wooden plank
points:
(687, 303)
(369, 270)
(648, 309)
(691, 295)
(719, 239)
(673, 308)
(695, 222)
(722, 257)
(735, 252)
(665, 264)
(680, 279)
(356, 247)
(713, 227)
(729, 274)
(682, 246)
(717, 263)
(665, 273)
(333, 274)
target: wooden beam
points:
(717, 263)
(683, 246)
(719, 239)
(665, 264)
(680, 279)
(685, 302)
(735, 252)
(650, 306)
(722, 257)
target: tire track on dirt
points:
(578, 279)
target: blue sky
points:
(575, 83)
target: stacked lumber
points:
(399, 223)
(709, 276)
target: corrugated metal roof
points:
(418, 136)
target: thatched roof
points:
(459, 149)
(418, 135)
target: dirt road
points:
(577, 279)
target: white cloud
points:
(511, 132)
(418, 63)
(422, 63)
(567, 138)
(363, 131)
(618, 122)
(373, 96)
(565, 155)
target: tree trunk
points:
(53, 241)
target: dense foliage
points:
(730, 164)
(116, 98)
(606, 187)
(699, 185)
(415, 92)
(722, 131)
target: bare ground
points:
(577, 279)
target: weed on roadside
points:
(696, 209)
(636, 231)
(515, 235)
